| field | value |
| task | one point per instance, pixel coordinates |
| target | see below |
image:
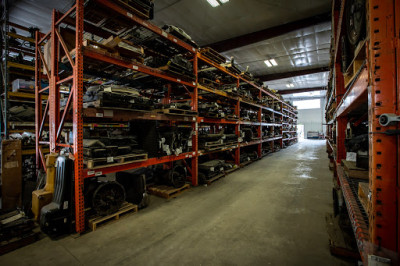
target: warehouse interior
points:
(211, 132)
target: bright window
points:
(308, 104)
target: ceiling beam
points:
(283, 92)
(291, 74)
(265, 34)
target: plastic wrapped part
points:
(56, 217)
(210, 169)
(116, 96)
(181, 34)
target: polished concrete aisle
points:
(270, 213)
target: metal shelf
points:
(355, 96)
(357, 215)
(96, 116)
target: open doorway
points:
(300, 132)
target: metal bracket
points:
(387, 119)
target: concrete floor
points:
(270, 213)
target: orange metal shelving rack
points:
(55, 119)
(376, 85)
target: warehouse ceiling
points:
(301, 49)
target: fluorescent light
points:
(273, 62)
(287, 85)
(291, 85)
(224, 1)
(213, 3)
(268, 63)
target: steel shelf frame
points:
(376, 86)
(54, 118)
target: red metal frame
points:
(377, 86)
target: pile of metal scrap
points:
(174, 140)
(106, 147)
(212, 55)
(248, 134)
(211, 141)
(266, 118)
(16, 230)
(179, 65)
(232, 67)
(212, 110)
(116, 96)
(210, 169)
(248, 156)
(180, 34)
(277, 132)
(22, 112)
(244, 115)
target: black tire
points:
(108, 198)
(355, 21)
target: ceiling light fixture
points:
(224, 1)
(273, 62)
(268, 63)
(213, 3)
(288, 85)
(291, 85)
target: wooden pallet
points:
(232, 170)
(174, 111)
(95, 163)
(246, 163)
(355, 65)
(167, 192)
(97, 221)
(215, 178)
(353, 171)
(341, 241)
(18, 242)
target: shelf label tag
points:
(90, 173)
(129, 14)
(178, 80)
(194, 50)
(163, 33)
(98, 173)
(194, 83)
(110, 159)
(351, 156)
(99, 115)
(175, 40)
(144, 23)
(135, 67)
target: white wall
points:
(312, 119)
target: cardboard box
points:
(11, 169)
(22, 84)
